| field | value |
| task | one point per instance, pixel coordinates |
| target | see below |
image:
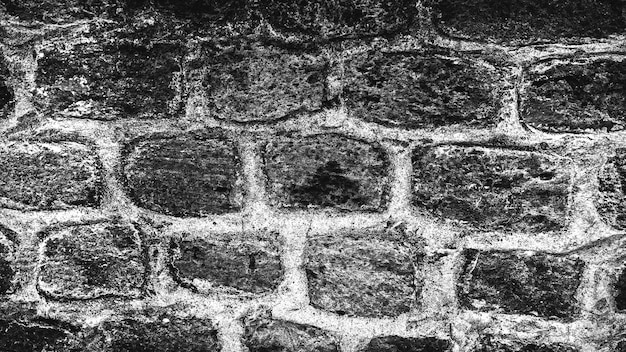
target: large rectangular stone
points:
(611, 199)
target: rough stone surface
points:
(162, 334)
(368, 273)
(249, 262)
(611, 201)
(62, 11)
(527, 21)
(407, 344)
(48, 176)
(491, 188)
(109, 74)
(339, 18)
(264, 334)
(491, 345)
(17, 336)
(253, 83)
(6, 91)
(6, 270)
(516, 282)
(421, 89)
(328, 171)
(92, 261)
(620, 291)
(574, 97)
(184, 175)
(621, 346)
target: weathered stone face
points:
(248, 262)
(186, 175)
(326, 171)
(162, 334)
(262, 333)
(421, 90)
(7, 94)
(368, 273)
(339, 18)
(515, 282)
(62, 11)
(92, 261)
(527, 21)
(574, 97)
(611, 201)
(112, 74)
(255, 83)
(404, 344)
(488, 344)
(48, 176)
(492, 189)
(24, 337)
(620, 291)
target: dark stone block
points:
(620, 290)
(47, 176)
(7, 94)
(421, 89)
(253, 83)
(165, 334)
(187, 175)
(339, 18)
(16, 336)
(491, 345)
(516, 282)
(249, 262)
(92, 261)
(621, 346)
(574, 97)
(611, 201)
(407, 344)
(326, 171)
(527, 21)
(492, 189)
(63, 11)
(364, 273)
(118, 74)
(264, 334)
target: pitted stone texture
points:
(155, 334)
(111, 74)
(213, 10)
(7, 252)
(248, 262)
(492, 189)
(63, 11)
(48, 176)
(194, 174)
(326, 171)
(254, 83)
(621, 346)
(7, 94)
(407, 344)
(488, 344)
(520, 282)
(367, 273)
(340, 18)
(421, 89)
(576, 96)
(19, 336)
(611, 200)
(528, 21)
(620, 291)
(92, 261)
(262, 333)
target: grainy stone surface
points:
(254, 83)
(7, 94)
(156, 334)
(92, 261)
(492, 188)
(611, 201)
(407, 344)
(621, 346)
(367, 273)
(620, 291)
(6, 270)
(574, 97)
(48, 176)
(249, 262)
(527, 21)
(109, 74)
(62, 11)
(516, 282)
(262, 333)
(339, 18)
(421, 89)
(18, 336)
(491, 345)
(184, 175)
(327, 171)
